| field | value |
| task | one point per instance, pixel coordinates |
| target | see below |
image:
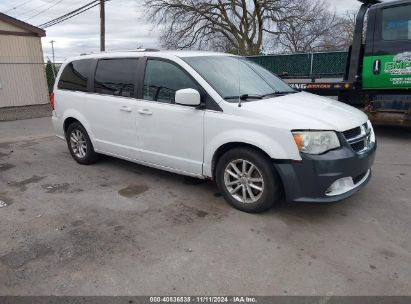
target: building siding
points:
(10, 27)
(22, 73)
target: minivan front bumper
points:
(311, 179)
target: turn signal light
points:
(298, 138)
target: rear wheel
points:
(79, 144)
(248, 180)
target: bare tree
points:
(313, 30)
(221, 24)
(346, 27)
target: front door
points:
(170, 135)
(387, 64)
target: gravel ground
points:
(117, 228)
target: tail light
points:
(52, 100)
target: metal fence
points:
(305, 64)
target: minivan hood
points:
(306, 111)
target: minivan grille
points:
(352, 133)
(358, 138)
(358, 146)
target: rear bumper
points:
(57, 126)
(308, 180)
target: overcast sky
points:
(125, 27)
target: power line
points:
(70, 15)
(46, 9)
(36, 8)
(13, 8)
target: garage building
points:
(23, 85)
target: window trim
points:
(371, 32)
(210, 105)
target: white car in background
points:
(213, 116)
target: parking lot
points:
(118, 228)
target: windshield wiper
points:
(286, 92)
(279, 93)
(255, 96)
(245, 97)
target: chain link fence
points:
(330, 64)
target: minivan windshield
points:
(237, 77)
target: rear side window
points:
(162, 79)
(396, 23)
(75, 76)
(116, 77)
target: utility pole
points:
(52, 49)
(102, 27)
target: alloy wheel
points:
(244, 181)
(78, 143)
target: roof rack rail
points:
(135, 50)
(115, 51)
(370, 1)
(151, 50)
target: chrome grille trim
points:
(364, 136)
(352, 132)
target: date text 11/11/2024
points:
(203, 299)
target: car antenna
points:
(239, 78)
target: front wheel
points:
(248, 180)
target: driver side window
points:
(162, 79)
(396, 23)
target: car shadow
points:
(311, 211)
(308, 211)
(156, 174)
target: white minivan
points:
(213, 116)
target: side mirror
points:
(188, 97)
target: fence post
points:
(312, 63)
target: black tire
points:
(88, 155)
(270, 185)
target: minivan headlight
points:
(316, 142)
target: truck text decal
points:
(401, 64)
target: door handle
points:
(145, 112)
(126, 109)
(377, 67)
